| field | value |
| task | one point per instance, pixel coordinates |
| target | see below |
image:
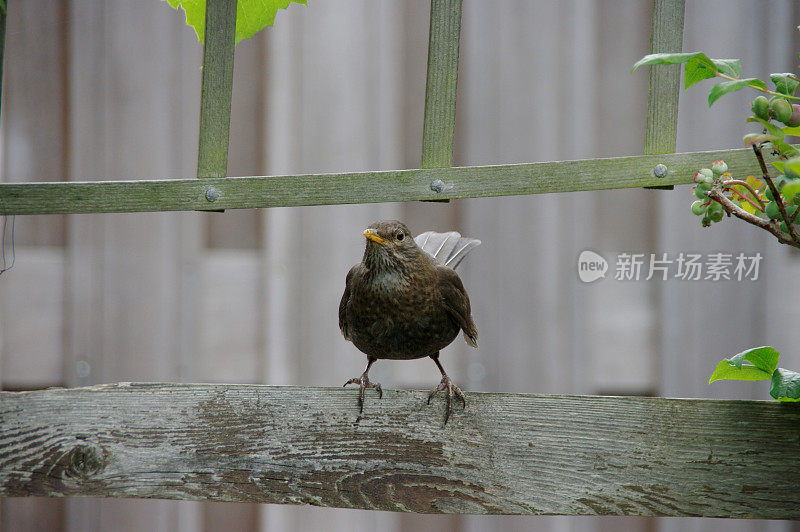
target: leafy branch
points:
(699, 67)
(756, 364)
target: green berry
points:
(760, 107)
(701, 189)
(782, 109)
(706, 172)
(719, 167)
(705, 222)
(715, 207)
(698, 208)
(715, 216)
(772, 210)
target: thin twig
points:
(775, 194)
(731, 208)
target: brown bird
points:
(405, 301)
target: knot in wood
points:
(84, 461)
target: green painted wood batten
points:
(3, 14)
(438, 129)
(361, 187)
(663, 87)
(217, 86)
(502, 454)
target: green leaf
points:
(721, 89)
(790, 189)
(698, 69)
(252, 16)
(779, 165)
(786, 150)
(672, 58)
(794, 131)
(785, 385)
(764, 358)
(725, 370)
(771, 128)
(730, 67)
(785, 83)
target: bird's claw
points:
(364, 383)
(447, 385)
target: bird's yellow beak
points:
(370, 234)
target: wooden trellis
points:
(512, 454)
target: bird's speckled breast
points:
(391, 318)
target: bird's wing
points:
(343, 303)
(447, 249)
(456, 301)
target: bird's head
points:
(391, 246)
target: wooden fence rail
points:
(505, 454)
(362, 187)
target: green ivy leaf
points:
(252, 16)
(725, 370)
(764, 358)
(672, 59)
(721, 89)
(785, 83)
(785, 385)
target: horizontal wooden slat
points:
(510, 454)
(360, 187)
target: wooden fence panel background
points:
(108, 89)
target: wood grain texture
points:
(438, 128)
(361, 187)
(217, 86)
(663, 90)
(506, 454)
(661, 124)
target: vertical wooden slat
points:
(440, 88)
(2, 40)
(663, 89)
(217, 85)
(661, 125)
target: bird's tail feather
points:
(447, 249)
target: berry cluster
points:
(710, 210)
(751, 195)
(777, 108)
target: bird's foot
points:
(364, 383)
(447, 385)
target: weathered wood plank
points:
(507, 454)
(217, 86)
(360, 187)
(438, 129)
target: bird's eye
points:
(399, 235)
